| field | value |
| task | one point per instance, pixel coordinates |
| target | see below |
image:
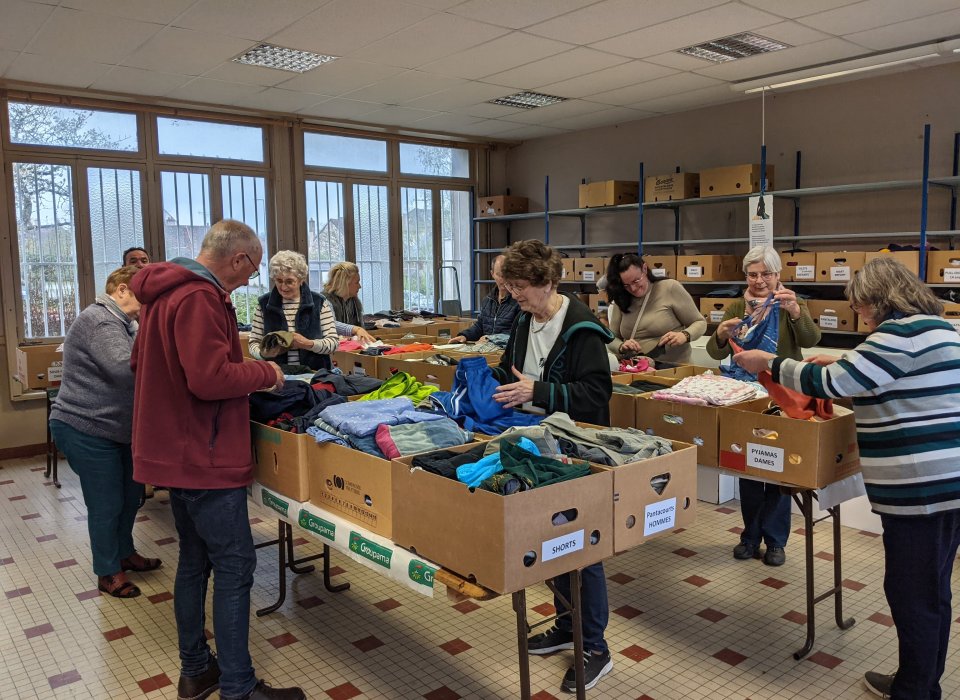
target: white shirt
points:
(540, 341)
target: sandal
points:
(138, 562)
(118, 586)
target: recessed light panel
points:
(527, 100)
(281, 58)
(730, 48)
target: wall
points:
(22, 424)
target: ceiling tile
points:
(607, 117)
(248, 19)
(692, 100)
(447, 122)
(500, 54)
(566, 65)
(792, 33)
(462, 95)
(185, 51)
(276, 100)
(832, 49)
(342, 26)
(680, 61)
(92, 35)
(234, 72)
(513, 14)
(428, 40)
(339, 108)
(21, 20)
(910, 32)
(488, 128)
(398, 116)
(340, 76)
(143, 10)
(67, 72)
(437, 4)
(214, 91)
(531, 132)
(793, 9)
(134, 81)
(612, 17)
(612, 78)
(487, 110)
(671, 85)
(404, 87)
(709, 24)
(870, 14)
(7, 58)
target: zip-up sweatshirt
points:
(905, 383)
(191, 414)
(576, 374)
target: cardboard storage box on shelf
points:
(862, 327)
(832, 314)
(609, 193)
(596, 302)
(733, 179)
(353, 484)
(665, 188)
(713, 308)
(589, 269)
(910, 258)
(442, 520)
(568, 271)
(951, 312)
(838, 266)
(798, 267)
(39, 366)
(280, 460)
(662, 265)
(943, 266)
(708, 268)
(797, 452)
(501, 205)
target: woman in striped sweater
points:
(905, 383)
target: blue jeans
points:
(766, 513)
(215, 536)
(595, 610)
(111, 495)
(919, 552)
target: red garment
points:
(350, 346)
(793, 403)
(191, 417)
(637, 365)
(327, 386)
(412, 347)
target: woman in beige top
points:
(651, 316)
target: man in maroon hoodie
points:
(191, 434)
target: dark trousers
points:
(766, 513)
(919, 552)
(595, 610)
(215, 536)
(111, 495)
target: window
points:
(416, 227)
(244, 199)
(202, 139)
(439, 161)
(326, 241)
(455, 252)
(345, 152)
(116, 219)
(186, 212)
(37, 124)
(372, 232)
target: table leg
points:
(577, 620)
(520, 608)
(281, 543)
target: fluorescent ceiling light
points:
(527, 100)
(282, 58)
(730, 48)
(837, 74)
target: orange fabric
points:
(793, 403)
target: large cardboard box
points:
(951, 312)
(796, 452)
(713, 308)
(597, 303)
(609, 193)
(798, 267)
(623, 407)
(664, 188)
(352, 484)
(838, 266)
(664, 266)
(910, 258)
(708, 268)
(500, 205)
(505, 543)
(444, 329)
(355, 363)
(568, 271)
(733, 179)
(943, 266)
(39, 366)
(682, 371)
(280, 460)
(832, 315)
(388, 364)
(589, 269)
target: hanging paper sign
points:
(761, 220)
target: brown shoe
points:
(262, 691)
(202, 686)
(138, 562)
(118, 586)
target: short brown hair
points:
(531, 261)
(120, 276)
(889, 286)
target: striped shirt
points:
(905, 383)
(325, 345)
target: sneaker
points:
(774, 556)
(595, 667)
(550, 641)
(745, 550)
(262, 691)
(202, 686)
(878, 683)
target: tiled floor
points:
(687, 621)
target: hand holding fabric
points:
(725, 329)
(515, 394)
(754, 361)
(632, 345)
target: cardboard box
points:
(355, 363)
(664, 266)
(832, 315)
(798, 267)
(388, 364)
(589, 269)
(682, 371)
(609, 193)
(951, 312)
(713, 308)
(444, 329)
(708, 268)
(862, 327)
(352, 484)
(442, 520)
(623, 407)
(597, 303)
(943, 266)
(664, 188)
(796, 452)
(910, 258)
(280, 460)
(501, 205)
(568, 271)
(838, 266)
(733, 179)
(39, 366)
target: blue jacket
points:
(495, 316)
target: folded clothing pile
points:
(708, 390)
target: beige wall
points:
(21, 423)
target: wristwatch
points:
(686, 334)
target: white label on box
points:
(693, 271)
(589, 276)
(951, 274)
(765, 457)
(658, 271)
(564, 274)
(840, 273)
(828, 321)
(55, 372)
(561, 546)
(805, 272)
(660, 516)
(716, 316)
(359, 371)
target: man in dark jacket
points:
(191, 434)
(497, 310)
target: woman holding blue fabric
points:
(769, 317)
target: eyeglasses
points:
(516, 288)
(758, 275)
(636, 284)
(256, 270)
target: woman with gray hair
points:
(290, 306)
(771, 318)
(905, 383)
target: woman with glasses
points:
(768, 317)
(652, 316)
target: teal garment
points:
(475, 473)
(532, 471)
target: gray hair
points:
(227, 237)
(762, 254)
(889, 286)
(288, 262)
